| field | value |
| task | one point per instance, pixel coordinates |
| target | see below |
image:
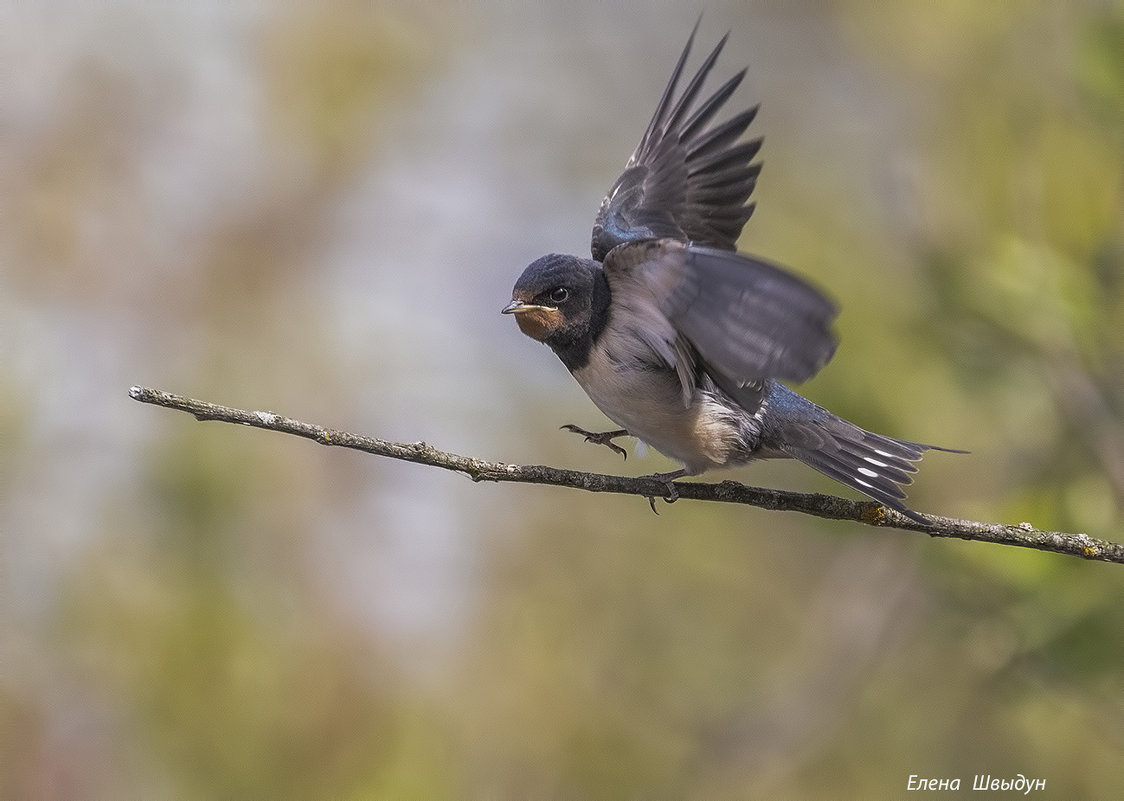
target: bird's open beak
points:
(517, 306)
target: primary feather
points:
(687, 180)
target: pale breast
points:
(648, 401)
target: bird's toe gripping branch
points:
(668, 480)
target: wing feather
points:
(687, 180)
(747, 319)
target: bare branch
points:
(827, 506)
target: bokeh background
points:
(319, 209)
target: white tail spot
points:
(860, 481)
(875, 462)
(866, 472)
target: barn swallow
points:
(682, 341)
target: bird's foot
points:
(603, 438)
(667, 479)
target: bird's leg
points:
(668, 480)
(603, 438)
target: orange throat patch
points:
(539, 323)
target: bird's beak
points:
(517, 306)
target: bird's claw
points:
(668, 480)
(601, 438)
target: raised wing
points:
(747, 319)
(687, 179)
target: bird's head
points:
(558, 298)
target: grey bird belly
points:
(647, 400)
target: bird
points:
(682, 341)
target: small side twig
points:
(870, 513)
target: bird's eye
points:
(559, 294)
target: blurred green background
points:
(320, 209)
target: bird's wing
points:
(687, 179)
(746, 318)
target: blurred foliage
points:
(241, 618)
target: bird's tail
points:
(873, 464)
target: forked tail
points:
(873, 464)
